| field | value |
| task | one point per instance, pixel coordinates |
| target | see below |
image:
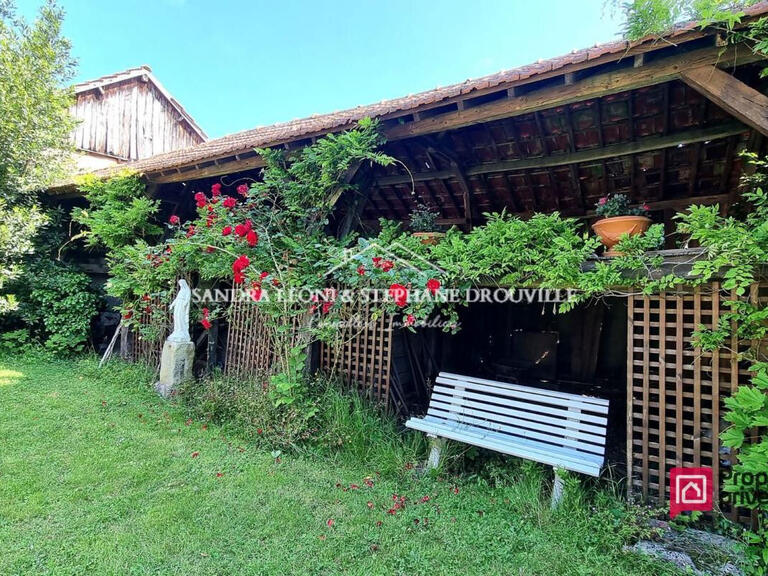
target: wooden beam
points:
(583, 156)
(658, 72)
(731, 94)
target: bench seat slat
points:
(492, 410)
(483, 426)
(503, 445)
(525, 427)
(524, 393)
(561, 451)
(526, 406)
(540, 391)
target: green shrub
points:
(57, 304)
(15, 341)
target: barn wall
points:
(130, 120)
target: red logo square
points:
(690, 489)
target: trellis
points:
(149, 350)
(676, 392)
(249, 341)
(363, 357)
(249, 347)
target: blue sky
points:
(237, 64)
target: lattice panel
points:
(148, 350)
(249, 346)
(676, 392)
(249, 343)
(364, 357)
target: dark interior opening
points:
(580, 352)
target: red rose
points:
(241, 263)
(433, 286)
(128, 315)
(209, 249)
(206, 323)
(241, 230)
(229, 202)
(216, 189)
(252, 238)
(410, 319)
(174, 219)
(602, 200)
(206, 311)
(263, 275)
(275, 282)
(387, 265)
(239, 277)
(242, 189)
(226, 231)
(190, 231)
(646, 207)
(327, 306)
(361, 270)
(255, 294)
(399, 294)
(376, 261)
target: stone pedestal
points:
(175, 366)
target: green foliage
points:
(119, 212)
(510, 251)
(58, 305)
(15, 341)
(748, 417)
(54, 300)
(424, 219)
(18, 226)
(35, 63)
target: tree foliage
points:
(35, 65)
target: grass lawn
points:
(100, 476)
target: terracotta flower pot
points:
(611, 229)
(429, 238)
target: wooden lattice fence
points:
(676, 392)
(363, 358)
(145, 349)
(249, 340)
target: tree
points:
(35, 66)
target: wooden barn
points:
(128, 116)
(661, 121)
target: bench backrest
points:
(557, 418)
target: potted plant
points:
(619, 218)
(424, 224)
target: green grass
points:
(99, 476)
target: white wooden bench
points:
(565, 431)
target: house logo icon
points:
(690, 489)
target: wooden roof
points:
(593, 72)
(665, 145)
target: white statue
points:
(180, 308)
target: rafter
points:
(647, 144)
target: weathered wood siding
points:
(131, 120)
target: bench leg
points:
(557, 491)
(438, 444)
